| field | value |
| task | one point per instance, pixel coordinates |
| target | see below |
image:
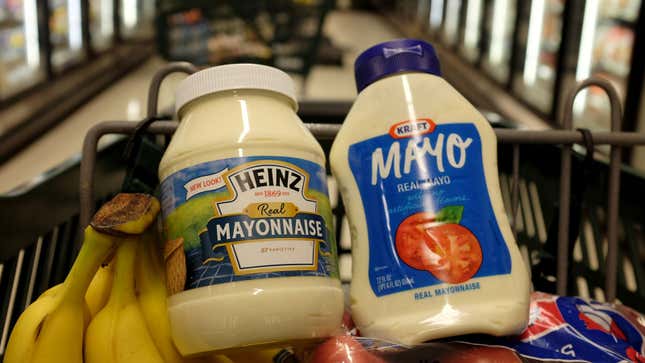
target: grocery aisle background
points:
(350, 31)
(126, 99)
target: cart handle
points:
(613, 192)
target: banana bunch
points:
(111, 308)
(52, 329)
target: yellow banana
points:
(52, 291)
(23, 338)
(118, 333)
(61, 339)
(99, 291)
(218, 359)
(152, 295)
(124, 214)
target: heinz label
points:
(429, 216)
(247, 218)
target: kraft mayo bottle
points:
(433, 253)
(244, 188)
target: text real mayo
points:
(433, 253)
(244, 188)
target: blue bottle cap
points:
(393, 57)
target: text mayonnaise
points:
(433, 253)
(244, 188)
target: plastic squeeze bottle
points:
(244, 190)
(433, 254)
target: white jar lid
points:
(232, 77)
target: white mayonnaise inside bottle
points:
(433, 252)
(244, 190)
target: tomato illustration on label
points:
(429, 216)
(437, 243)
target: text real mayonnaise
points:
(244, 188)
(433, 253)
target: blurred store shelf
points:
(125, 100)
(352, 32)
(325, 88)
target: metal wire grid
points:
(50, 256)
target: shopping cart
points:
(603, 261)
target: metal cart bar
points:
(565, 190)
(157, 80)
(566, 138)
(613, 189)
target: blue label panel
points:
(251, 218)
(235, 228)
(429, 216)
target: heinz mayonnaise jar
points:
(433, 253)
(244, 188)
